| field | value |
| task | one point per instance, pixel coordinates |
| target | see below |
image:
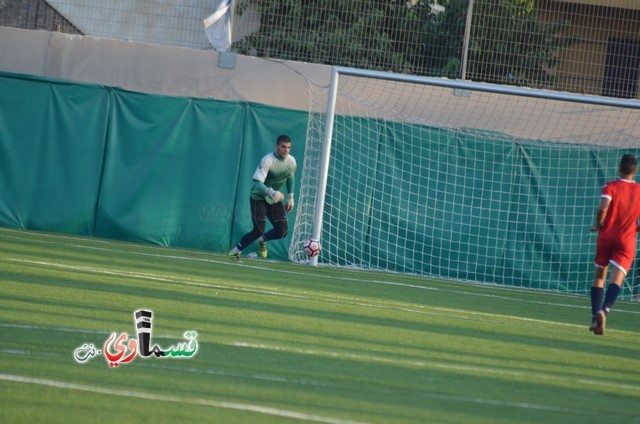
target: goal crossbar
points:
(384, 116)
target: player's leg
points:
(604, 251)
(621, 261)
(613, 290)
(278, 218)
(597, 293)
(262, 248)
(258, 218)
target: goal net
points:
(459, 180)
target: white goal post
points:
(459, 180)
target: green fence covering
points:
(169, 162)
(91, 160)
(52, 140)
(467, 205)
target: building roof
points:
(622, 4)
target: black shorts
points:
(261, 211)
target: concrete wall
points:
(175, 71)
(159, 69)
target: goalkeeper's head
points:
(628, 165)
(283, 146)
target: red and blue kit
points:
(617, 237)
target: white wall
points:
(175, 71)
(158, 69)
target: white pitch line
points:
(282, 412)
(480, 369)
(357, 280)
(341, 355)
(384, 282)
(228, 263)
(74, 330)
(245, 265)
(390, 306)
(62, 329)
(373, 358)
(209, 260)
(175, 399)
(154, 277)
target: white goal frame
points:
(438, 82)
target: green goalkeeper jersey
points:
(273, 172)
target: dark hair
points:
(628, 164)
(283, 139)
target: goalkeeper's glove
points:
(275, 195)
(289, 205)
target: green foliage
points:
(443, 38)
(372, 34)
(509, 44)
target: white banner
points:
(218, 27)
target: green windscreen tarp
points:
(52, 139)
(466, 204)
(169, 163)
(92, 160)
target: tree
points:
(508, 43)
(369, 34)
(442, 39)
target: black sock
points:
(610, 298)
(597, 293)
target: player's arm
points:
(259, 186)
(268, 191)
(601, 215)
(290, 183)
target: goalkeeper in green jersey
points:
(275, 171)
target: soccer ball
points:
(311, 247)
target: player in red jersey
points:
(617, 226)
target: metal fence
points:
(583, 46)
(34, 14)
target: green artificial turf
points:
(281, 342)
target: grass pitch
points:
(279, 342)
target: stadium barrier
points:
(100, 161)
